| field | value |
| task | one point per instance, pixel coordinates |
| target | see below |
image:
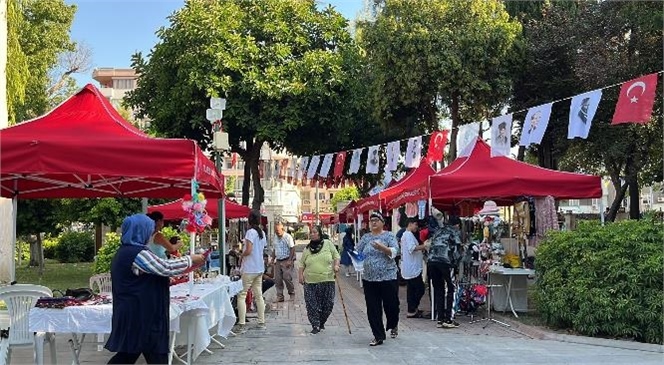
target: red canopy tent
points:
(481, 177)
(380, 200)
(83, 148)
(173, 210)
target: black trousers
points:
(379, 296)
(414, 292)
(127, 358)
(441, 277)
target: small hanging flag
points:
(339, 163)
(302, 172)
(393, 153)
(636, 100)
(436, 146)
(313, 167)
(537, 119)
(501, 133)
(581, 113)
(373, 159)
(355, 161)
(414, 152)
(466, 136)
(325, 167)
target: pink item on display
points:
(411, 210)
(545, 218)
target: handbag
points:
(81, 294)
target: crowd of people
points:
(146, 259)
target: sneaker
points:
(395, 332)
(448, 324)
(322, 326)
(261, 326)
(375, 342)
(439, 324)
(347, 275)
(314, 331)
(239, 329)
(279, 300)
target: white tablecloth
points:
(208, 306)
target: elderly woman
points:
(318, 265)
(141, 296)
(381, 289)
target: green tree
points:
(42, 27)
(34, 218)
(350, 193)
(287, 69)
(432, 57)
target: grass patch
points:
(56, 275)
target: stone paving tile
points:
(286, 340)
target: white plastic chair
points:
(101, 283)
(20, 298)
(359, 269)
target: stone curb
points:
(541, 334)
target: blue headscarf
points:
(137, 230)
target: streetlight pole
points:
(220, 139)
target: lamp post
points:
(220, 142)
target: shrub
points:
(24, 248)
(301, 235)
(604, 281)
(75, 247)
(50, 245)
(106, 253)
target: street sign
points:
(213, 114)
(218, 103)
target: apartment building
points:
(114, 83)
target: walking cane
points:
(343, 305)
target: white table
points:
(515, 282)
(208, 307)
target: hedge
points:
(604, 280)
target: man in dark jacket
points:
(444, 242)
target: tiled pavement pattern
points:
(287, 340)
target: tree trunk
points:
(246, 183)
(454, 109)
(620, 195)
(259, 193)
(98, 237)
(545, 155)
(40, 249)
(36, 251)
(521, 154)
(634, 198)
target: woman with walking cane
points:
(318, 267)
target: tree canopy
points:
(288, 70)
(430, 58)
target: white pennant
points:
(581, 113)
(303, 168)
(393, 152)
(501, 134)
(537, 119)
(313, 167)
(325, 167)
(414, 152)
(373, 160)
(354, 167)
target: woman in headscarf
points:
(141, 296)
(318, 265)
(348, 246)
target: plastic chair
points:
(101, 283)
(20, 298)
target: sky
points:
(116, 29)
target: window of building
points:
(331, 195)
(321, 196)
(123, 84)
(586, 202)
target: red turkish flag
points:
(339, 163)
(635, 100)
(436, 146)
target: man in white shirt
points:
(283, 257)
(411, 268)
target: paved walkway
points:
(287, 340)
